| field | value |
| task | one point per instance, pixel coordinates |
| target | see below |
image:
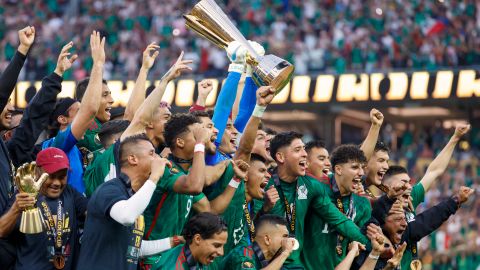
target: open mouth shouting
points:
(303, 165)
(380, 175)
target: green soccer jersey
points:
(241, 258)
(309, 194)
(101, 169)
(418, 196)
(168, 211)
(320, 246)
(233, 215)
(90, 140)
(178, 259)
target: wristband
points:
(235, 182)
(249, 71)
(373, 257)
(199, 147)
(175, 240)
(239, 68)
(258, 111)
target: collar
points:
(127, 183)
(179, 160)
(258, 252)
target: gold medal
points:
(58, 261)
(416, 265)
(340, 237)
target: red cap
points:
(52, 160)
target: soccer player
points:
(269, 250)
(318, 160)
(300, 193)
(75, 120)
(63, 210)
(115, 225)
(205, 235)
(324, 247)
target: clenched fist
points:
(26, 36)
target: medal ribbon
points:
(57, 232)
(260, 255)
(191, 263)
(349, 214)
(290, 212)
(248, 218)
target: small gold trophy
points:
(32, 219)
(210, 22)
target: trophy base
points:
(31, 221)
(274, 71)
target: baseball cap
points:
(61, 108)
(52, 160)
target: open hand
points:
(176, 70)
(149, 55)
(64, 63)
(97, 45)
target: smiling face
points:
(229, 139)
(6, 116)
(103, 113)
(257, 179)
(210, 248)
(319, 162)
(394, 227)
(55, 183)
(377, 166)
(210, 147)
(293, 158)
(349, 176)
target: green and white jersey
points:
(178, 258)
(241, 258)
(321, 241)
(101, 169)
(168, 211)
(418, 197)
(307, 195)
(233, 215)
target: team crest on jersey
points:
(247, 265)
(410, 217)
(174, 170)
(302, 192)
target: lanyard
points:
(350, 214)
(290, 212)
(57, 230)
(250, 225)
(179, 160)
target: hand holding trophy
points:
(209, 21)
(31, 221)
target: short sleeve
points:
(106, 196)
(418, 195)
(65, 140)
(168, 179)
(198, 197)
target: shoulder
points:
(241, 257)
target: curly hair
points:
(176, 126)
(281, 140)
(206, 224)
(345, 153)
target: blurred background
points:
(360, 47)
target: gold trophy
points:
(32, 219)
(209, 21)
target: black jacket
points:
(424, 224)
(19, 149)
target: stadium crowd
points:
(148, 189)
(327, 36)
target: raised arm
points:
(265, 95)
(205, 86)
(247, 102)
(139, 90)
(431, 219)
(236, 53)
(93, 94)
(144, 114)
(221, 202)
(194, 182)
(36, 115)
(440, 163)
(9, 77)
(368, 146)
